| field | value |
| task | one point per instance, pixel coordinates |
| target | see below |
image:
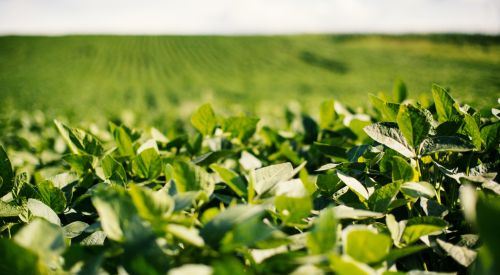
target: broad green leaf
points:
(323, 235)
(211, 157)
(267, 177)
(327, 114)
(346, 212)
(189, 235)
(445, 144)
(151, 205)
(487, 212)
(232, 179)
(113, 170)
(248, 233)
(240, 127)
(79, 141)
(74, 229)
(327, 183)
(472, 129)
(215, 230)
(422, 226)
(396, 254)
(418, 189)
(445, 105)
(52, 196)
(380, 199)
(198, 269)
(402, 170)
(461, 254)
(43, 238)
(39, 209)
(19, 260)
(293, 209)
(147, 164)
(191, 177)
(365, 245)
(9, 210)
(97, 238)
(395, 228)
(204, 119)
(123, 142)
(388, 110)
(388, 134)
(413, 124)
(491, 135)
(344, 265)
(399, 91)
(6, 173)
(115, 211)
(356, 186)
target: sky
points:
(54, 17)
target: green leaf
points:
(232, 179)
(327, 114)
(79, 141)
(322, 237)
(346, 212)
(382, 197)
(39, 209)
(491, 135)
(146, 165)
(388, 134)
(198, 269)
(215, 230)
(413, 124)
(487, 212)
(43, 238)
(267, 177)
(472, 129)
(151, 205)
(402, 170)
(123, 142)
(396, 254)
(240, 127)
(74, 229)
(6, 173)
(191, 177)
(445, 144)
(204, 119)
(399, 91)
(113, 170)
(461, 254)
(422, 226)
(327, 183)
(418, 189)
(211, 157)
(9, 210)
(344, 265)
(189, 235)
(389, 111)
(115, 211)
(356, 186)
(365, 245)
(18, 260)
(52, 196)
(293, 209)
(445, 104)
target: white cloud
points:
(253, 16)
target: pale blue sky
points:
(247, 17)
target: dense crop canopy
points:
(404, 189)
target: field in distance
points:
(168, 76)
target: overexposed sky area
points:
(247, 16)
